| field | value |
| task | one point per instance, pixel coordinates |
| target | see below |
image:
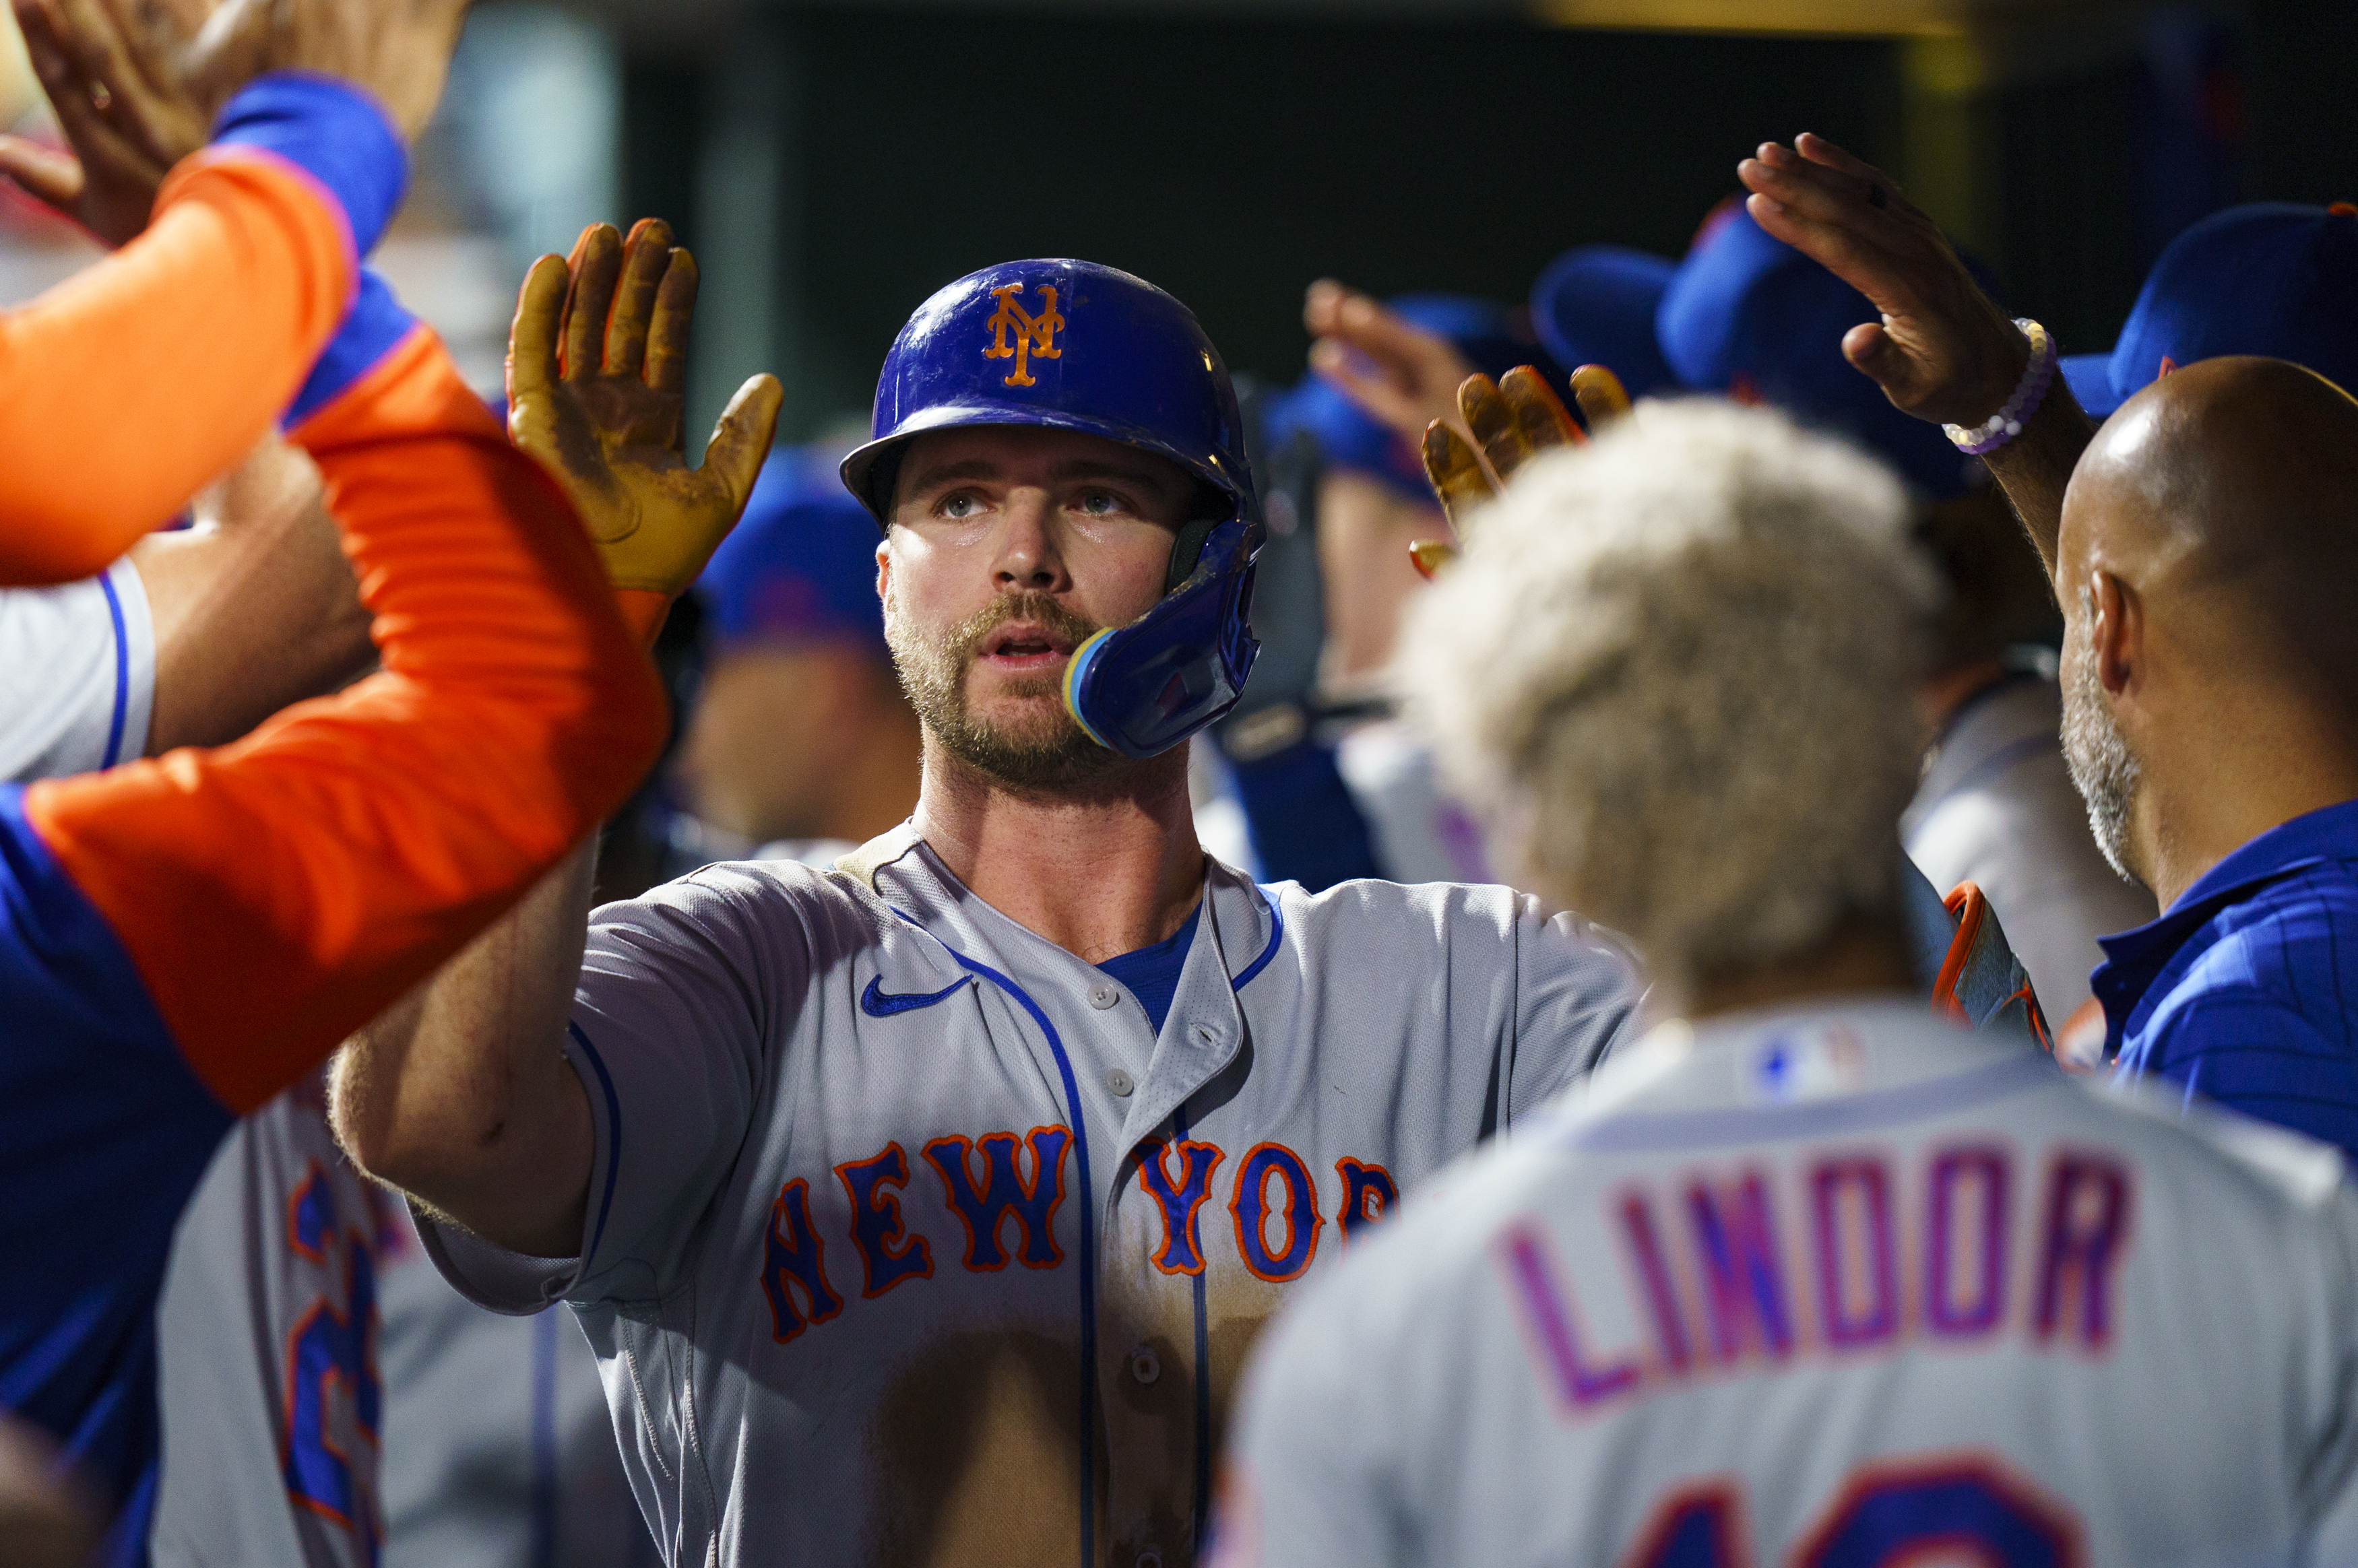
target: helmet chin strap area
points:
(1143, 688)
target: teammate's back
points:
(1824, 1285)
(1803, 1277)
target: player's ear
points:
(2118, 629)
(884, 571)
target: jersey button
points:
(1150, 1558)
(1120, 1084)
(1103, 996)
(1145, 1365)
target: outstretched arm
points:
(461, 1094)
(349, 845)
(1943, 351)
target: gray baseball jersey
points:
(77, 675)
(266, 1354)
(910, 1241)
(1828, 1286)
(498, 1449)
(328, 1401)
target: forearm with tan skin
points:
(1944, 350)
(255, 607)
(459, 1094)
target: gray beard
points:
(2103, 769)
(1053, 757)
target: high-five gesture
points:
(596, 384)
(1512, 421)
(1400, 375)
(135, 83)
(125, 100)
(1943, 351)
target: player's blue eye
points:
(1099, 503)
(960, 506)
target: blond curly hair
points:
(1675, 670)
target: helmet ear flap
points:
(1186, 550)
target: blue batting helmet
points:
(1071, 345)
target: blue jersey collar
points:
(2135, 958)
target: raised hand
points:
(126, 100)
(137, 83)
(596, 381)
(397, 50)
(1510, 423)
(1943, 351)
(1400, 375)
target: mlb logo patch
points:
(1816, 1063)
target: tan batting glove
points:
(1513, 421)
(597, 379)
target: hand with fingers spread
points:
(1512, 421)
(1943, 351)
(1400, 374)
(597, 378)
(136, 85)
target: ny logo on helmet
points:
(1033, 334)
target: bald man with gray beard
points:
(2204, 548)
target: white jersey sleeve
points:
(77, 675)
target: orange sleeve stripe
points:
(132, 385)
(277, 893)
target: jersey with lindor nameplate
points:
(910, 1241)
(1830, 1286)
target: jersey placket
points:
(1153, 1364)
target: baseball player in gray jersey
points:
(922, 1210)
(1803, 1276)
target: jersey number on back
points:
(329, 1350)
(1965, 1506)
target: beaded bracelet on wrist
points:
(2006, 424)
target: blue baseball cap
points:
(1596, 304)
(2271, 278)
(800, 567)
(1483, 331)
(1748, 315)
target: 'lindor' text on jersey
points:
(1830, 1253)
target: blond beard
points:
(1050, 753)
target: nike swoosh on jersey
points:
(878, 1002)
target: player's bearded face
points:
(1028, 740)
(2103, 769)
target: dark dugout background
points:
(834, 166)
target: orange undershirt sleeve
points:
(121, 394)
(277, 893)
